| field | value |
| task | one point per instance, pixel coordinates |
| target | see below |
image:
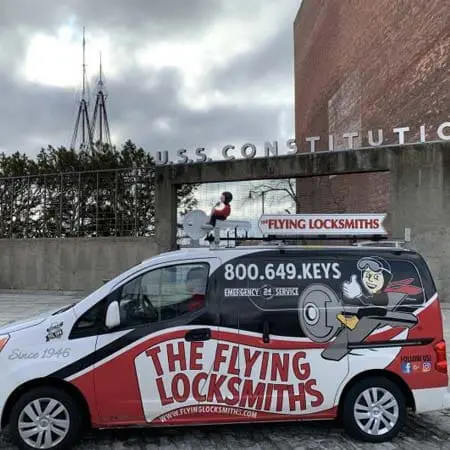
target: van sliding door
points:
(286, 306)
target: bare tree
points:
(284, 191)
(339, 198)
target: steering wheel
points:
(141, 310)
(150, 310)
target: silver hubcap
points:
(376, 411)
(44, 423)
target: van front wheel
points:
(45, 418)
(374, 410)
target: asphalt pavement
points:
(431, 430)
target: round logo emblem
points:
(317, 310)
(267, 292)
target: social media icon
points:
(426, 366)
(406, 367)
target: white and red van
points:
(226, 335)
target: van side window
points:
(164, 294)
(92, 322)
(407, 282)
(288, 294)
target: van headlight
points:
(4, 338)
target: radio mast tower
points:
(100, 113)
(83, 115)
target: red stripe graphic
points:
(403, 287)
(420, 375)
(119, 401)
(211, 413)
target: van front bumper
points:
(433, 399)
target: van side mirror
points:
(113, 315)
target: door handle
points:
(199, 334)
(266, 332)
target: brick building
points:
(363, 66)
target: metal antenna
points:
(83, 115)
(101, 71)
(84, 63)
(100, 112)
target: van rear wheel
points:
(374, 410)
(45, 418)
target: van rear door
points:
(380, 294)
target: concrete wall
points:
(68, 264)
(420, 200)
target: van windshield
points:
(64, 309)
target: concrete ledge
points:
(298, 165)
(42, 293)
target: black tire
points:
(75, 414)
(349, 420)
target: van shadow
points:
(305, 435)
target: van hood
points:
(17, 325)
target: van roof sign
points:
(322, 225)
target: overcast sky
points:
(179, 73)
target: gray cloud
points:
(271, 64)
(127, 23)
(29, 111)
(141, 108)
(49, 112)
(32, 113)
(106, 14)
(157, 17)
(26, 14)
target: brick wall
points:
(363, 65)
(344, 193)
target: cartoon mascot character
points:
(376, 275)
(369, 303)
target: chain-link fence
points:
(120, 202)
(78, 204)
